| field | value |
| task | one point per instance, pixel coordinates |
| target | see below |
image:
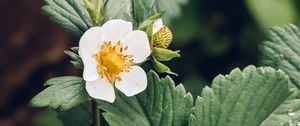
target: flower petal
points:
(157, 25)
(89, 44)
(132, 82)
(90, 41)
(138, 45)
(90, 72)
(101, 89)
(116, 29)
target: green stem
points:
(96, 114)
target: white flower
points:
(109, 54)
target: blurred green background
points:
(214, 37)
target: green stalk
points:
(96, 114)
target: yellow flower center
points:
(111, 61)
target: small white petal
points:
(101, 89)
(138, 45)
(157, 25)
(89, 44)
(91, 40)
(90, 72)
(132, 82)
(116, 29)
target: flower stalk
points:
(96, 114)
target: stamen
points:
(111, 60)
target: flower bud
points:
(162, 38)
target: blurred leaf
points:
(187, 27)
(272, 12)
(47, 118)
(160, 104)
(73, 55)
(144, 8)
(70, 14)
(77, 64)
(63, 93)
(207, 23)
(162, 54)
(283, 52)
(75, 49)
(96, 9)
(138, 11)
(118, 9)
(77, 116)
(171, 7)
(242, 98)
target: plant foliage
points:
(245, 97)
(242, 98)
(162, 103)
(77, 116)
(283, 52)
(62, 93)
(70, 14)
(74, 16)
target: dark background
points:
(214, 36)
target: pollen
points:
(162, 38)
(112, 60)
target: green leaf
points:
(151, 20)
(242, 98)
(160, 67)
(162, 54)
(75, 49)
(76, 60)
(149, 33)
(70, 14)
(283, 52)
(77, 64)
(63, 93)
(138, 11)
(160, 104)
(73, 55)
